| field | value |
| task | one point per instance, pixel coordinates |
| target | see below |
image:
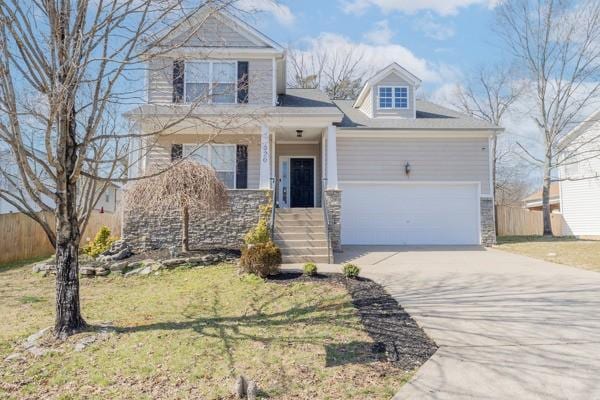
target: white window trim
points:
(393, 107)
(210, 80)
(188, 149)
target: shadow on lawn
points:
(232, 330)
(538, 239)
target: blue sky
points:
(438, 40)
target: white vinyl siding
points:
(580, 199)
(260, 81)
(214, 33)
(431, 159)
(160, 154)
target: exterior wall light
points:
(407, 168)
(299, 133)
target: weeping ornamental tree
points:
(68, 70)
(186, 186)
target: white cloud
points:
(282, 13)
(442, 7)
(377, 56)
(381, 33)
(434, 29)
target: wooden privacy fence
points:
(513, 221)
(22, 238)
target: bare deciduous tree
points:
(557, 44)
(67, 70)
(489, 97)
(185, 186)
(338, 72)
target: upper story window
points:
(211, 82)
(391, 97)
(221, 157)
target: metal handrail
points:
(326, 216)
(273, 204)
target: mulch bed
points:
(395, 334)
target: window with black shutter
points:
(241, 169)
(243, 81)
(176, 152)
(178, 80)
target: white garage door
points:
(410, 214)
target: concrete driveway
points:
(508, 326)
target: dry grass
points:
(577, 253)
(188, 333)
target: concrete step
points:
(299, 222)
(299, 211)
(284, 236)
(299, 229)
(304, 259)
(299, 217)
(292, 244)
(304, 251)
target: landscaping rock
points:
(119, 250)
(239, 389)
(252, 390)
(44, 267)
(14, 356)
(196, 260)
(84, 342)
(119, 266)
(102, 271)
(174, 262)
(87, 271)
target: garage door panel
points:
(410, 214)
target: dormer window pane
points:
(401, 97)
(385, 97)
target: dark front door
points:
(302, 182)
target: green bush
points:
(263, 259)
(258, 234)
(351, 271)
(310, 269)
(100, 244)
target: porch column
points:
(332, 176)
(265, 159)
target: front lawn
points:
(569, 251)
(189, 334)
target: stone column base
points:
(333, 202)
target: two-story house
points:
(383, 169)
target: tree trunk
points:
(546, 199)
(185, 223)
(68, 310)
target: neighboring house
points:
(386, 168)
(580, 184)
(534, 202)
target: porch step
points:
(298, 229)
(306, 243)
(318, 236)
(301, 235)
(305, 259)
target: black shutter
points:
(241, 169)
(178, 80)
(242, 82)
(176, 152)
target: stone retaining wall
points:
(225, 230)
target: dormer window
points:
(393, 97)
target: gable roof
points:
(392, 68)
(537, 196)
(429, 116)
(207, 11)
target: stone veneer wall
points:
(333, 200)
(225, 230)
(488, 223)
